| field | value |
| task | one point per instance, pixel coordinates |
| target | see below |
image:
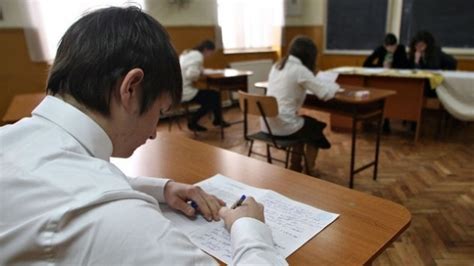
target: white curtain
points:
(47, 21)
(250, 24)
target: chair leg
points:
(187, 115)
(269, 155)
(250, 148)
(287, 159)
(306, 168)
(178, 123)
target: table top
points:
(349, 95)
(366, 224)
(21, 106)
(225, 73)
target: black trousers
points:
(209, 102)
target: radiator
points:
(260, 69)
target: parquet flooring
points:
(433, 179)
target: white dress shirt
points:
(191, 62)
(63, 202)
(289, 87)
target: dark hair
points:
(205, 45)
(303, 48)
(101, 47)
(390, 39)
(426, 37)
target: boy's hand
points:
(177, 196)
(249, 208)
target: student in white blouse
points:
(288, 82)
(191, 62)
(62, 202)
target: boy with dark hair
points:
(388, 55)
(63, 202)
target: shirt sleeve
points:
(126, 232)
(152, 186)
(193, 72)
(252, 243)
(324, 90)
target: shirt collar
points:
(294, 59)
(76, 123)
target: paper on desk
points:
(292, 223)
(327, 76)
(209, 71)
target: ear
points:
(130, 90)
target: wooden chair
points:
(266, 106)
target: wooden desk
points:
(358, 109)
(366, 226)
(224, 80)
(407, 104)
(21, 106)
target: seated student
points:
(191, 68)
(63, 202)
(426, 54)
(389, 55)
(288, 81)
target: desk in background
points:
(365, 227)
(407, 104)
(21, 106)
(357, 109)
(223, 80)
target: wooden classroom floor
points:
(433, 179)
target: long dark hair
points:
(426, 37)
(205, 45)
(303, 48)
(101, 47)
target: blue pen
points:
(193, 204)
(239, 202)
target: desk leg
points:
(354, 132)
(377, 144)
(220, 111)
(418, 129)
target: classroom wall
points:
(17, 73)
(187, 26)
(195, 13)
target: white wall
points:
(13, 14)
(313, 12)
(195, 13)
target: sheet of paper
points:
(327, 76)
(209, 71)
(292, 223)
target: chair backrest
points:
(260, 105)
(268, 104)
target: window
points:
(250, 25)
(47, 21)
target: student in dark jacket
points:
(426, 54)
(388, 55)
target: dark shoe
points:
(297, 168)
(221, 124)
(386, 126)
(196, 127)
